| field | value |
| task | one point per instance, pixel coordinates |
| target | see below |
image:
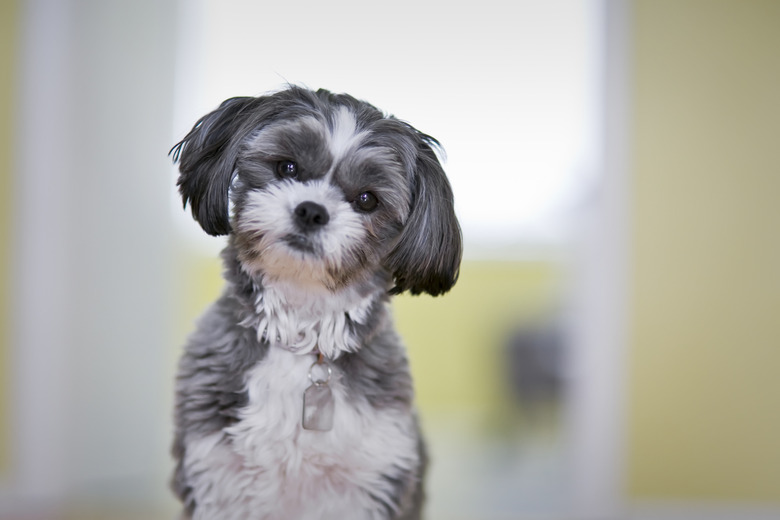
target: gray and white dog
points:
(294, 398)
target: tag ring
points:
(320, 382)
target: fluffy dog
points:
(294, 399)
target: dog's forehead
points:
(344, 135)
(337, 133)
(332, 143)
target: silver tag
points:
(318, 406)
(318, 402)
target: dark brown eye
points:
(366, 201)
(286, 169)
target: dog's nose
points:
(310, 216)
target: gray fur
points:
(412, 243)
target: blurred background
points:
(612, 347)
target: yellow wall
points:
(704, 414)
(8, 19)
(457, 342)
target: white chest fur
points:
(301, 320)
(266, 467)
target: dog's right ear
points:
(207, 159)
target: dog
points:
(294, 398)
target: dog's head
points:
(325, 189)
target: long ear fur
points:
(427, 256)
(207, 157)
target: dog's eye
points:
(366, 201)
(286, 169)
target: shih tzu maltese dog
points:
(294, 399)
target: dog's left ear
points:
(207, 158)
(427, 256)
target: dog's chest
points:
(266, 466)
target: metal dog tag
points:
(318, 402)
(318, 406)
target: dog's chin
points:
(301, 244)
(299, 260)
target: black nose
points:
(310, 216)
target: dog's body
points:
(334, 207)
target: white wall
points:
(600, 298)
(92, 251)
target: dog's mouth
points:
(300, 243)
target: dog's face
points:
(318, 198)
(325, 190)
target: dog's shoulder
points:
(212, 369)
